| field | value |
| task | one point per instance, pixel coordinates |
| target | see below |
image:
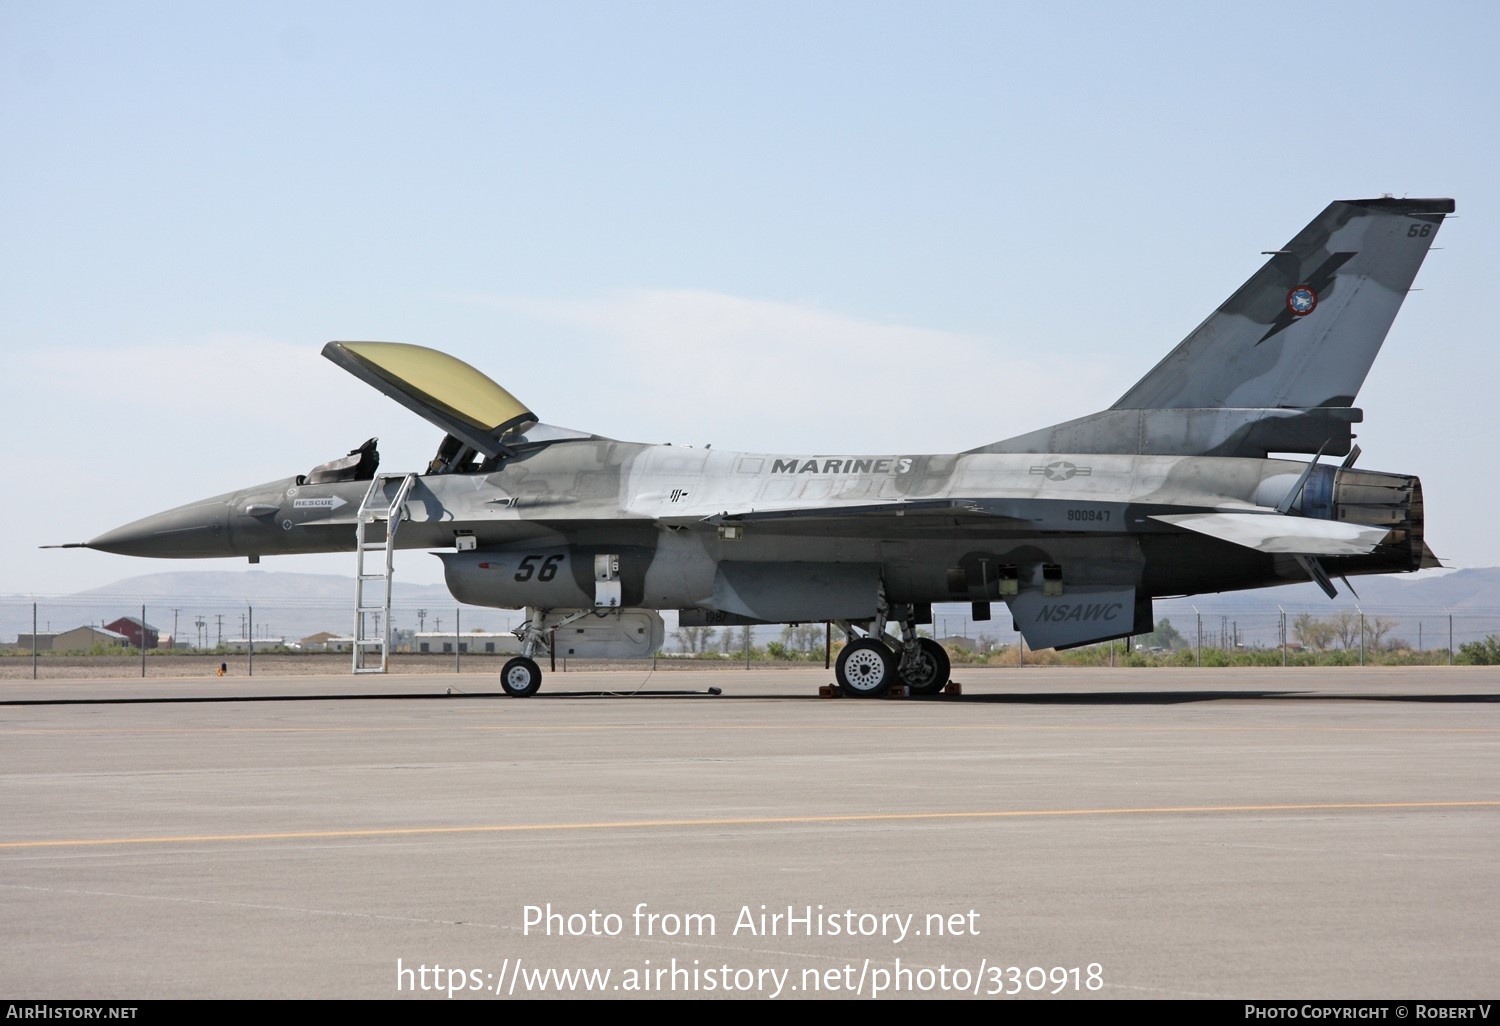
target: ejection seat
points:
(359, 465)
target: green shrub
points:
(1479, 653)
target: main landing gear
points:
(865, 668)
(929, 669)
(871, 663)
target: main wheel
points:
(521, 678)
(931, 671)
(865, 668)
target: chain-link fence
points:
(65, 637)
(61, 636)
(1209, 635)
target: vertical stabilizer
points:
(1277, 366)
(1304, 330)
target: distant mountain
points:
(257, 586)
(1456, 591)
(1427, 610)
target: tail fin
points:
(1277, 366)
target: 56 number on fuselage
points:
(546, 572)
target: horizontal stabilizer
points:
(1269, 532)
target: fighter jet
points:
(1172, 491)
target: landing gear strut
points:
(927, 673)
(521, 677)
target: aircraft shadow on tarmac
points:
(1013, 698)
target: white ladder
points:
(372, 620)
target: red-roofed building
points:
(136, 631)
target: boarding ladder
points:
(372, 600)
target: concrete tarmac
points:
(1048, 834)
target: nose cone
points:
(193, 531)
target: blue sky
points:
(851, 227)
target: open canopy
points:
(439, 388)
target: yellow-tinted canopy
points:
(439, 387)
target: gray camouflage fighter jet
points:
(1076, 527)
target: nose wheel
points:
(521, 677)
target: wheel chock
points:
(895, 691)
(953, 687)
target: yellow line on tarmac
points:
(884, 817)
(125, 731)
